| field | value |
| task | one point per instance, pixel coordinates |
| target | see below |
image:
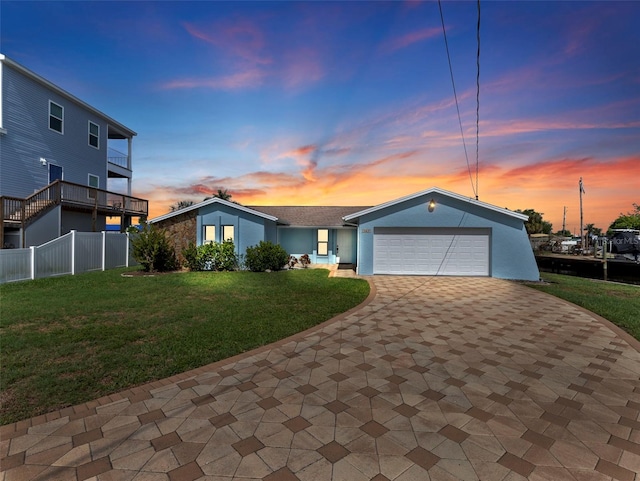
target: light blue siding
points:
(249, 229)
(511, 256)
(298, 241)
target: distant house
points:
(433, 232)
(56, 159)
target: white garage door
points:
(418, 251)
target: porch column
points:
(129, 165)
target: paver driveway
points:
(433, 379)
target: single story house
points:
(432, 232)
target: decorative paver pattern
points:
(432, 379)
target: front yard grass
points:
(619, 303)
(69, 340)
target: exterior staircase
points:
(17, 213)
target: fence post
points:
(104, 250)
(73, 252)
(33, 262)
(126, 262)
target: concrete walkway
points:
(432, 379)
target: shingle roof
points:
(309, 216)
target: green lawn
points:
(619, 303)
(72, 339)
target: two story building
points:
(57, 157)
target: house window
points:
(323, 242)
(209, 234)
(56, 117)
(94, 183)
(94, 135)
(227, 233)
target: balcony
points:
(119, 164)
(102, 201)
(70, 196)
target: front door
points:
(55, 173)
(346, 246)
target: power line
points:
(478, 102)
(455, 96)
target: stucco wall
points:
(511, 256)
(249, 229)
(299, 240)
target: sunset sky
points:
(351, 103)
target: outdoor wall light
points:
(43, 161)
(432, 205)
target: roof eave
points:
(214, 200)
(435, 190)
(51, 86)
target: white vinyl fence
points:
(73, 253)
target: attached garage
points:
(431, 251)
(439, 233)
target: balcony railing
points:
(118, 158)
(69, 194)
(22, 212)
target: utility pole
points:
(581, 231)
(564, 220)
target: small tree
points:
(536, 224)
(152, 249)
(265, 256)
(631, 220)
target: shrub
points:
(265, 256)
(191, 258)
(213, 256)
(152, 249)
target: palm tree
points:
(221, 194)
(591, 230)
(182, 204)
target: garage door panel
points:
(464, 252)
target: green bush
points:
(213, 256)
(152, 249)
(191, 259)
(265, 256)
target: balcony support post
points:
(129, 166)
(2, 226)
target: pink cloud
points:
(241, 80)
(301, 67)
(241, 48)
(599, 117)
(410, 38)
(241, 39)
(547, 186)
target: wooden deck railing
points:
(21, 212)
